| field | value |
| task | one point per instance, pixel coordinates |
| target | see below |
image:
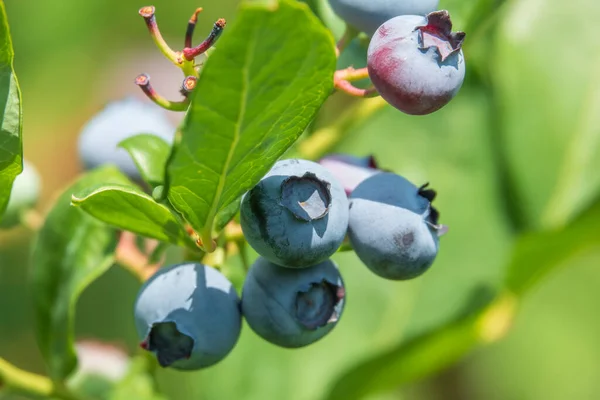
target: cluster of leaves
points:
(255, 97)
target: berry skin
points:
(292, 307)
(368, 15)
(118, 121)
(23, 196)
(416, 63)
(350, 170)
(393, 228)
(188, 315)
(297, 215)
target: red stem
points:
(191, 53)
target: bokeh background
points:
(517, 150)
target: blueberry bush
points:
(266, 216)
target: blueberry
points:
(416, 63)
(292, 307)
(23, 196)
(350, 170)
(393, 228)
(118, 121)
(368, 15)
(297, 215)
(188, 315)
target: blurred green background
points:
(516, 151)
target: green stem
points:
(188, 68)
(324, 139)
(143, 81)
(20, 381)
(244, 255)
(148, 14)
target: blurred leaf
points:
(128, 208)
(93, 386)
(483, 12)
(549, 96)
(150, 154)
(256, 95)
(323, 10)
(138, 384)
(11, 119)
(428, 353)
(462, 12)
(537, 254)
(71, 250)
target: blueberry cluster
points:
(296, 217)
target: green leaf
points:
(150, 154)
(421, 356)
(550, 126)
(128, 208)
(468, 16)
(11, 119)
(227, 214)
(138, 383)
(539, 253)
(71, 250)
(256, 95)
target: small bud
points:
(188, 85)
(147, 12)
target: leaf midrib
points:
(212, 212)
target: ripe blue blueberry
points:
(368, 15)
(292, 307)
(23, 196)
(297, 215)
(416, 63)
(188, 315)
(118, 121)
(350, 170)
(393, 228)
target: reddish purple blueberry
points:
(416, 63)
(350, 170)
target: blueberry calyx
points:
(307, 197)
(168, 343)
(319, 304)
(434, 215)
(438, 34)
(429, 194)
